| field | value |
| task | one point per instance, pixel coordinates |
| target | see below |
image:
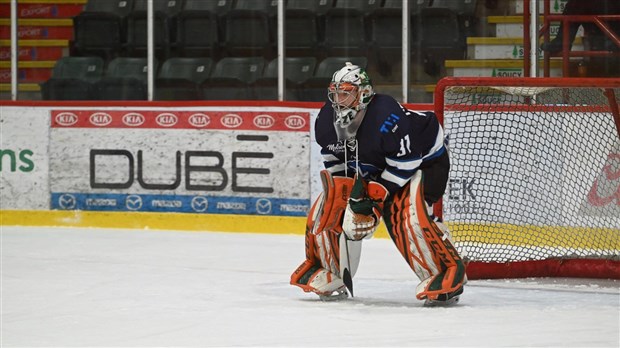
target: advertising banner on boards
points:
(603, 198)
(194, 161)
(23, 158)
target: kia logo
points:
(66, 119)
(100, 119)
(133, 119)
(231, 121)
(166, 120)
(295, 122)
(199, 120)
(264, 121)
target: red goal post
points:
(534, 188)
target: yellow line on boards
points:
(155, 221)
(160, 221)
(501, 234)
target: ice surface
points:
(66, 287)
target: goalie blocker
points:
(425, 244)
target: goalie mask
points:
(350, 91)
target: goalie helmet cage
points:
(534, 188)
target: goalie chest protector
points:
(388, 131)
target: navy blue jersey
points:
(392, 142)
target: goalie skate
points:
(338, 295)
(437, 303)
(314, 278)
(444, 300)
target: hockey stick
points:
(346, 274)
(350, 252)
(348, 269)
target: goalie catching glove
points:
(364, 208)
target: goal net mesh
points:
(535, 169)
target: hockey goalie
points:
(382, 162)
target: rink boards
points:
(241, 168)
(229, 162)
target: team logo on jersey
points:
(337, 147)
(389, 123)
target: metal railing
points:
(531, 43)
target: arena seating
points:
(73, 78)
(125, 79)
(231, 78)
(233, 40)
(296, 71)
(180, 77)
(101, 29)
(164, 27)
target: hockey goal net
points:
(534, 187)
